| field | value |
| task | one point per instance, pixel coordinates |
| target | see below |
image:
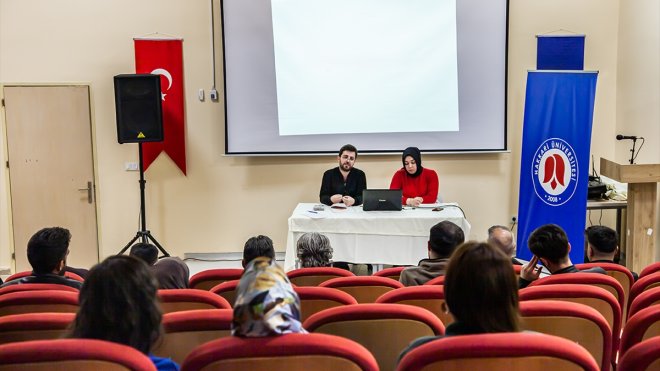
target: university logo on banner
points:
(164, 57)
(556, 145)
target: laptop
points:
(381, 200)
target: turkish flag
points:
(164, 57)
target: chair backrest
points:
(34, 326)
(573, 321)
(18, 275)
(644, 300)
(36, 287)
(594, 279)
(440, 281)
(499, 352)
(619, 273)
(649, 269)
(317, 352)
(598, 298)
(38, 302)
(316, 275)
(186, 330)
(644, 283)
(174, 300)
(393, 273)
(642, 356)
(227, 290)
(641, 326)
(384, 329)
(365, 289)
(429, 297)
(316, 299)
(72, 354)
(209, 278)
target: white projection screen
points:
(308, 76)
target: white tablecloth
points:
(376, 237)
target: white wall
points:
(225, 200)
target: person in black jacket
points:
(344, 183)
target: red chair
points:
(72, 354)
(619, 273)
(501, 351)
(649, 269)
(38, 302)
(316, 275)
(598, 298)
(36, 287)
(209, 278)
(316, 299)
(644, 283)
(440, 280)
(186, 330)
(644, 300)
(317, 352)
(642, 356)
(393, 273)
(174, 300)
(34, 326)
(227, 290)
(429, 297)
(365, 289)
(641, 326)
(594, 279)
(384, 329)
(68, 274)
(573, 321)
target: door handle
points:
(89, 192)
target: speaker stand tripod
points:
(143, 234)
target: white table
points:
(375, 237)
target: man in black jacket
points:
(344, 183)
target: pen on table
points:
(312, 211)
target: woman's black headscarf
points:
(416, 155)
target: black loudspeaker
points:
(138, 107)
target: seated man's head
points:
(145, 252)
(444, 238)
(47, 250)
(314, 250)
(550, 243)
(502, 238)
(256, 247)
(603, 243)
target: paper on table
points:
(339, 205)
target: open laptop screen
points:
(381, 200)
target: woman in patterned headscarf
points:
(418, 185)
(266, 304)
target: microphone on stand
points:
(622, 137)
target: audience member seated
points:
(256, 247)
(550, 247)
(603, 245)
(118, 303)
(266, 304)
(480, 293)
(314, 250)
(502, 238)
(47, 251)
(170, 272)
(443, 240)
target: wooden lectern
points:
(642, 215)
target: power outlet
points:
(131, 166)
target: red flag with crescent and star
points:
(164, 57)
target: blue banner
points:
(554, 165)
(560, 52)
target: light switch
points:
(131, 166)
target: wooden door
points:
(51, 169)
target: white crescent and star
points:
(168, 76)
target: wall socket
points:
(131, 166)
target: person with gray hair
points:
(502, 238)
(314, 250)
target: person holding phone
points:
(550, 247)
